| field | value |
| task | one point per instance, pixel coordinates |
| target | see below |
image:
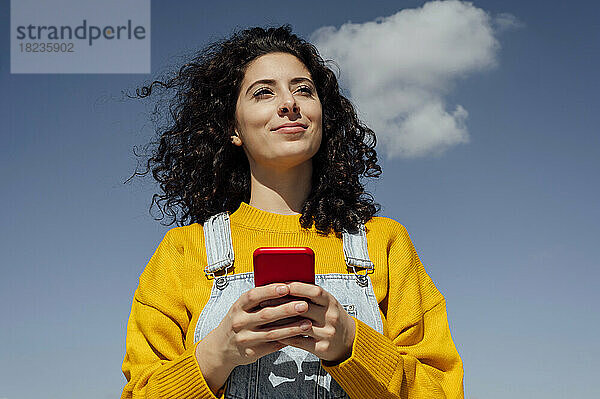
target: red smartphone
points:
(283, 265)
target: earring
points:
(235, 139)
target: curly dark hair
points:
(201, 173)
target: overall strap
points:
(356, 254)
(355, 249)
(219, 247)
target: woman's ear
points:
(235, 139)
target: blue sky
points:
(506, 221)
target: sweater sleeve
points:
(157, 364)
(416, 358)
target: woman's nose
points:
(289, 106)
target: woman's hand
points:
(242, 338)
(333, 329)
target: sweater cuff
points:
(373, 354)
(181, 379)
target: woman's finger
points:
(314, 293)
(303, 342)
(302, 327)
(251, 299)
(279, 301)
(325, 349)
(262, 349)
(274, 313)
(316, 313)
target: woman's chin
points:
(289, 161)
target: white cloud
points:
(505, 21)
(399, 68)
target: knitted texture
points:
(414, 358)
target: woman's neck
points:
(280, 191)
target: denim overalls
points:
(289, 372)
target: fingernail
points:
(282, 289)
(305, 325)
(300, 307)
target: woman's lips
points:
(290, 129)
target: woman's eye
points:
(262, 92)
(305, 89)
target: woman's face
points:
(278, 90)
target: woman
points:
(265, 151)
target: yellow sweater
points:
(415, 358)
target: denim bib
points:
(289, 372)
